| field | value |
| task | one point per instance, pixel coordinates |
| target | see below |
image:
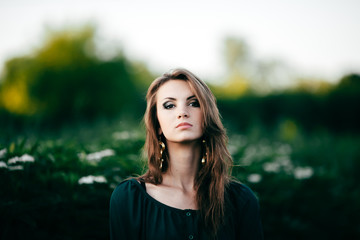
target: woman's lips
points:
(184, 125)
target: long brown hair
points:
(212, 177)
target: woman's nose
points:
(182, 113)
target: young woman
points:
(187, 192)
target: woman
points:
(187, 192)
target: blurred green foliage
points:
(334, 110)
(307, 184)
(45, 198)
(66, 80)
(70, 133)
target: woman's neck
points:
(183, 165)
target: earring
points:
(162, 148)
(203, 160)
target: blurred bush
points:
(307, 185)
(65, 79)
(59, 187)
(334, 110)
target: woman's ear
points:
(159, 131)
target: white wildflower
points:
(303, 172)
(15, 168)
(23, 158)
(286, 163)
(254, 178)
(3, 164)
(14, 160)
(97, 156)
(284, 149)
(81, 155)
(91, 179)
(3, 153)
(271, 167)
(280, 163)
(27, 158)
(121, 135)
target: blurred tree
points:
(14, 92)
(311, 85)
(343, 104)
(271, 75)
(349, 84)
(237, 79)
(64, 80)
(245, 74)
(236, 54)
(235, 86)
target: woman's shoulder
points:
(125, 212)
(240, 193)
(244, 211)
(126, 189)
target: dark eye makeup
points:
(169, 105)
(195, 103)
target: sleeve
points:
(249, 220)
(125, 214)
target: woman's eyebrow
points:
(171, 98)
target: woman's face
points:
(178, 112)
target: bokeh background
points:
(73, 80)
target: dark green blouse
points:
(134, 214)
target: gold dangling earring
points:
(203, 160)
(162, 148)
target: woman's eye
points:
(195, 104)
(168, 105)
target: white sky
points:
(319, 38)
